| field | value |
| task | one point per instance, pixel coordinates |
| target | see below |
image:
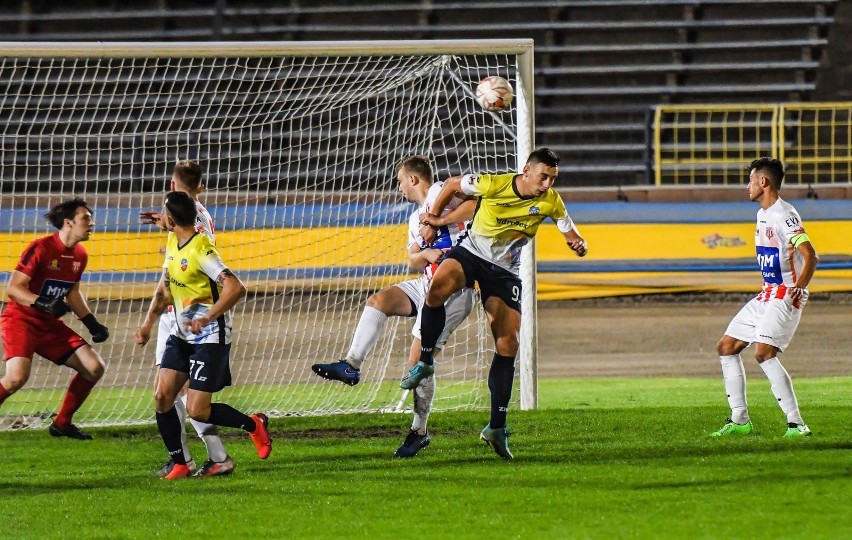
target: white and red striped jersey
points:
(779, 261)
(447, 236)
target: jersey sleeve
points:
(414, 229)
(209, 260)
(790, 225)
(478, 185)
(560, 215)
(30, 259)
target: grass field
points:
(603, 458)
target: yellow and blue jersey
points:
(193, 269)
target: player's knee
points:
(95, 372)
(506, 345)
(374, 301)
(13, 382)
(163, 400)
(763, 356)
(198, 412)
(726, 347)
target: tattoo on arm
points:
(224, 273)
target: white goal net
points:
(298, 144)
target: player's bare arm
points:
(463, 212)
(159, 302)
(153, 217)
(418, 258)
(810, 260)
(451, 187)
(576, 243)
(232, 290)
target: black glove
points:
(54, 306)
(99, 332)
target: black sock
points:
(168, 423)
(432, 323)
(500, 379)
(225, 415)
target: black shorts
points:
(208, 364)
(493, 280)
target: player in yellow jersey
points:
(202, 289)
(511, 208)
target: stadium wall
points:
(634, 248)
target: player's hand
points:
(430, 219)
(152, 217)
(142, 336)
(796, 293)
(55, 306)
(578, 246)
(196, 326)
(433, 255)
(428, 233)
(99, 332)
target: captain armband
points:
(799, 239)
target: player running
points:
(405, 299)
(510, 210)
(44, 286)
(787, 261)
(186, 177)
(202, 289)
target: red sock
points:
(3, 394)
(78, 391)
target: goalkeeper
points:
(44, 286)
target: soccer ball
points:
(494, 93)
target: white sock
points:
(366, 335)
(733, 374)
(782, 388)
(180, 407)
(210, 435)
(423, 395)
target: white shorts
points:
(458, 306)
(773, 322)
(164, 330)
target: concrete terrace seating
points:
(600, 64)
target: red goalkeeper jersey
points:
(53, 269)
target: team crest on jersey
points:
(183, 264)
(54, 264)
(75, 266)
(769, 233)
(534, 210)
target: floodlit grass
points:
(603, 458)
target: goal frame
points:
(523, 104)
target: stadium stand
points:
(600, 64)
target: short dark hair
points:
(189, 173)
(773, 168)
(419, 165)
(65, 210)
(181, 208)
(545, 156)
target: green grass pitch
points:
(602, 458)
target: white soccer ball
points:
(494, 93)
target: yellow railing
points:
(713, 144)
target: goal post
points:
(298, 142)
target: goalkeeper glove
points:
(54, 306)
(99, 332)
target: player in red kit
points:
(45, 286)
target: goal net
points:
(298, 143)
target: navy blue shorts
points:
(493, 280)
(208, 364)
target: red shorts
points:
(51, 338)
